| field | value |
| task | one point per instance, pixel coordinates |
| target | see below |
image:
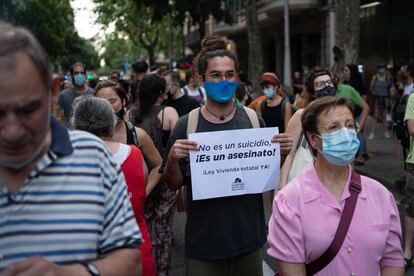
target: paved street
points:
(385, 164)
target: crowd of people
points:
(90, 175)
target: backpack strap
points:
(254, 119)
(201, 93)
(132, 136)
(192, 120)
(344, 222)
(185, 90)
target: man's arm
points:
(364, 113)
(119, 262)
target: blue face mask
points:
(339, 147)
(222, 91)
(327, 91)
(79, 80)
(269, 93)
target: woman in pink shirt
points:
(306, 212)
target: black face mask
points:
(120, 114)
(327, 91)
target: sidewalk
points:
(385, 163)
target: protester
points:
(306, 213)
(115, 75)
(140, 69)
(380, 86)
(319, 84)
(192, 88)
(128, 134)
(242, 93)
(408, 196)
(64, 207)
(96, 116)
(158, 121)
(349, 93)
(223, 236)
(177, 99)
(276, 110)
(80, 87)
(352, 77)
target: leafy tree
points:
(138, 22)
(198, 10)
(52, 22)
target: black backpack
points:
(399, 125)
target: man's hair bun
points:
(212, 43)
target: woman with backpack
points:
(158, 121)
(275, 110)
(126, 133)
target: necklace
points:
(223, 116)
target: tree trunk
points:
(255, 45)
(347, 32)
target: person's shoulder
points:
(84, 140)
(89, 90)
(374, 189)
(66, 91)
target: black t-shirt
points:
(224, 227)
(273, 115)
(183, 105)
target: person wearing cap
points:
(275, 110)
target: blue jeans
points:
(361, 149)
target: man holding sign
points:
(223, 235)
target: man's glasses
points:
(322, 84)
(216, 76)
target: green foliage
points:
(119, 50)
(52, 22)
(141, 24)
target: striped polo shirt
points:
(73, 207)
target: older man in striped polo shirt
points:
(64, 206)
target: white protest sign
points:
(234, 162)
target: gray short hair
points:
(94, 115)
(15, 39)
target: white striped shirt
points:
(73, 206)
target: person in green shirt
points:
(349, 93)
(408, 195)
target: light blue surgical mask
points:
(339, 147)
(222, 91)
(269, 93)
(79, 80)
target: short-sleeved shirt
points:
(349, 93)
(74, 206)
(305, 218)
(220, 228)
(409, 115)
(66, 98)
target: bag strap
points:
(131, 134)
(193, 120)
(346, 218)
(254, 119)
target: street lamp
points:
(170, 34)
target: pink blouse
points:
(306, 215)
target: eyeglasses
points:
(323, 84)
(216, 76)
(336, 125)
